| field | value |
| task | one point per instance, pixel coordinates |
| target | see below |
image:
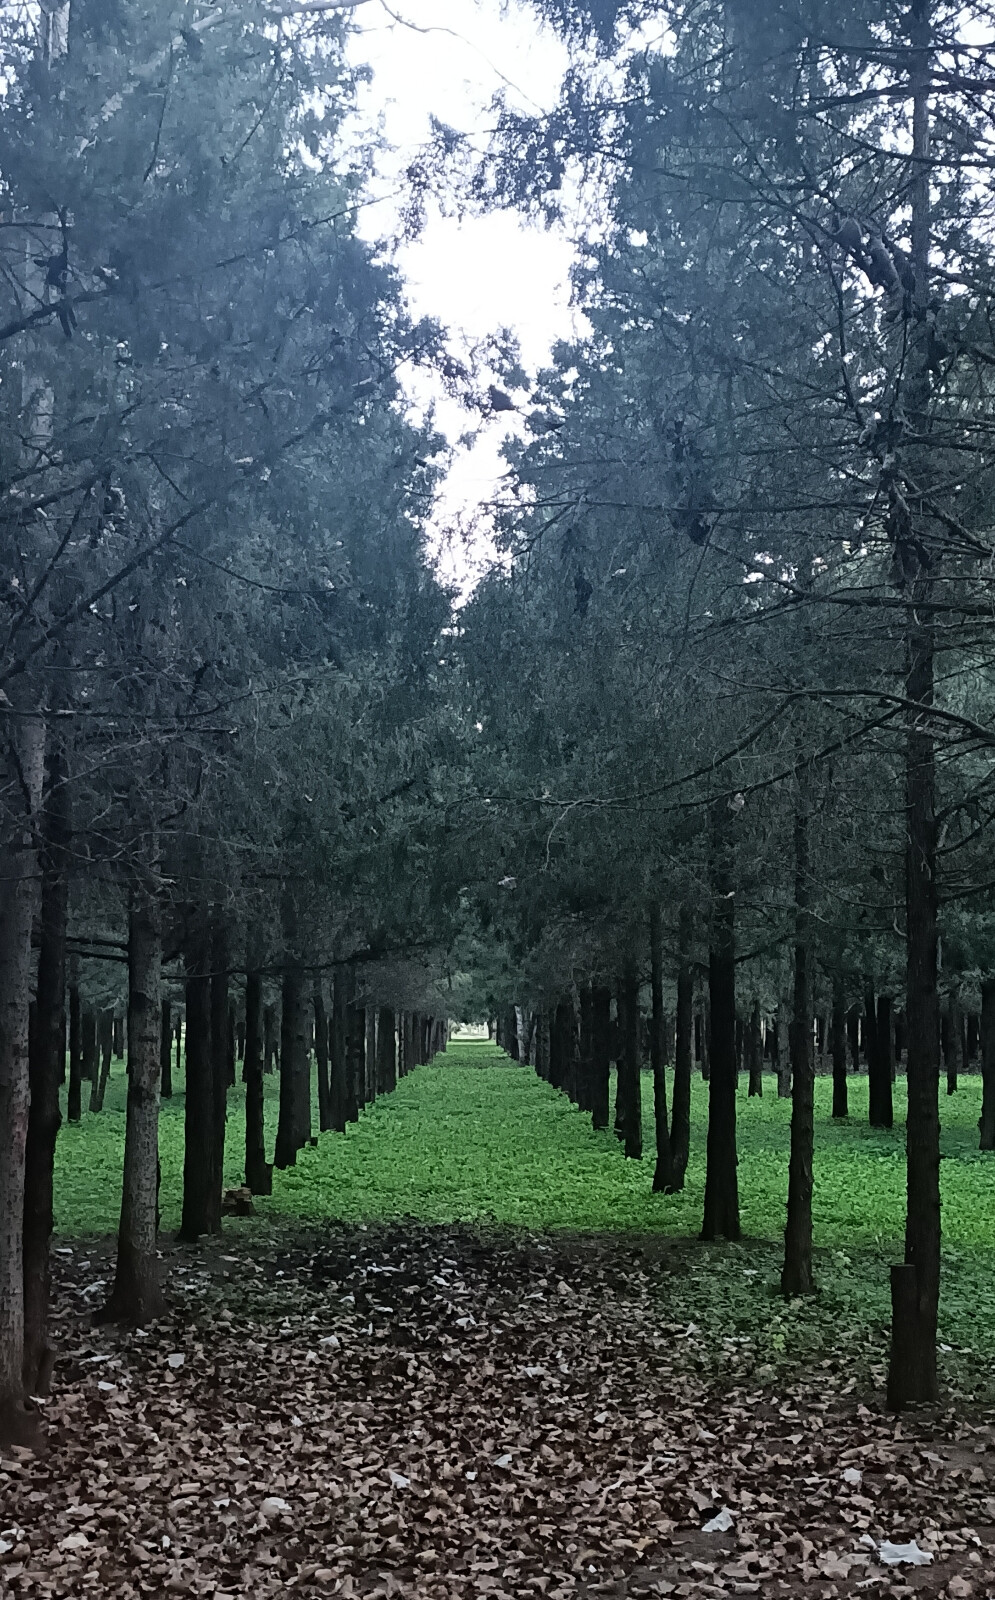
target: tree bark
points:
(986, 1125)
(721, 1217)
(46, 1069)
(912, 1375)
(137, 1293)
(270, 1047)
(258, 1172)
(198, 1145)
(663, 1172)
(680, 1127)
(294, 1125)
(880, 1067)
(220, 1062)
(370, 1072)
(18, 898)
(355, 1056)
(338, 1091)
(321, 1052)
(756, 1051)
(629, 1095)
(166, 1052)
(88, 1070)
(796, 1273)
(386, 1051)
(841, 1106)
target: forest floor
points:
(423, 1410)
(354, 1393)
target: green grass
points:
(472, 1138)
(455, 1142)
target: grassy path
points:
(472, 1138)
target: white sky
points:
(483, 273)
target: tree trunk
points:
(270, 1048)
(220, 1064)
(294, 1125)
(338, 1089)
(103, 1032)
(89, 1071)
(355, 1055)
(321, 1052)
(796, 1274)
(950, 1040)
(118, 1038)
(721, 1212)
(841, 1107)
(258, 1172)
(166, 1052)
(137, 1293)
(756, 1050)
(680, 1127)
(629, 1095)
(18, 897)
(879, 1067)
(198, 1119)
(46, 1068)
(987, 1122)
(663, 1173)
(912, 1376)
(386, 1051)
(585, 1056)
(370, 1074)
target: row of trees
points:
(733, 674)
(223, 682)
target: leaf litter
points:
(581, 1428)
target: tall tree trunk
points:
(987, 1123)
(258, 1172)
(338, 1087)
(74, 1108)
(89, 1072)
(585, 1057)
(101, 1064)
(950, 1040)
(600, 1066)
(294, 1125)
(880, 1072)
(663, 1172)
(796, 1274)
(721, 1216)
(118, 1038)
(18, 898)
(46, 1068)
(782, 1031)
(321, 1052)
(105, 1048)
(386, 1051)
(355, 1054)
(270, 1048)
(629, 1093)
(370, 1074)
(841, 1106)
(756, 1050)
(166, 1052)
(198, 1119)
(137, 1293)
(680, 1126)
(915, 1284)
(220, 1062)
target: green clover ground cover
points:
(472, 1138)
